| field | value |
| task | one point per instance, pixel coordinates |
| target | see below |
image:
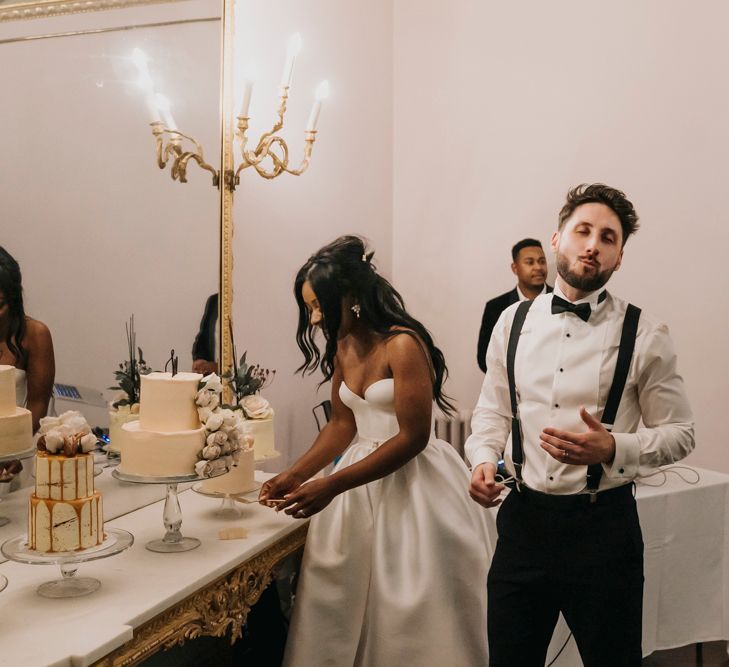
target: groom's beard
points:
(585, 282)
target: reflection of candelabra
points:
(270, 145)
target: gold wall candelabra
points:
(270, 158)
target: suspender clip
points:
(593, 496)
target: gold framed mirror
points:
(13, 10)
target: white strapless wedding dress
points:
(394, 572)
(21, 388)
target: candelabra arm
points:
(309, 139)
(279, 123)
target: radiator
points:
(455, 429)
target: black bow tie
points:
(582, 310)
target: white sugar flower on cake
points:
(69, 433)
(256, 407)
(223, 426)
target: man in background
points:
(530, 268)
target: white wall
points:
(347, 189)
(501, 107)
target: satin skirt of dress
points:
(394, 572)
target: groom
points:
(570, 377)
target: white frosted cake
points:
(168, 437)
(262, 432)
(16, 424)
(239, 480)
(118, 417)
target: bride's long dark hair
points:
(344, 268)
(12, 289)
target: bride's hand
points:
(277, 487)
(308, 499)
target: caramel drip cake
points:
(65, 511)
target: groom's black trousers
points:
(564, 554)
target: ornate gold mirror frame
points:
(45, 8)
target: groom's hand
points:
(484, 489)
(596, 445)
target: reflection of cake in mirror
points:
(117, 417)
(16, 424)
(168, 437)
(259, 424)
(240, 479)
(65, 511)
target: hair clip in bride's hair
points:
(364, 257)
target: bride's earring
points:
(356, 309)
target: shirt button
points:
(556, 405)
(551, 479)
(621, 471)
(561, 370)
(568, 335)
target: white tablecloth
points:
(686, 591)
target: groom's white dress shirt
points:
(563, 363)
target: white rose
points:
(213, 383)
(88, 442)
(78, 425)
(210, 452)
(229, 417)
(214, 401)
(256, 407)
(202, 468)
(220, 437)
(54, 441)
(204, 398)
(48, 424)
(214, 422)
(204, 414)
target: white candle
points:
(293, 51)
(163, 104)
(322, 92)
(248, 81)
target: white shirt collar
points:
(591, 298)
(521, 296)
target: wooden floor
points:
(711, 654)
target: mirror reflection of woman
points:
(395, 566)
(24, 343)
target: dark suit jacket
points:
(204, 345)
(491, 314)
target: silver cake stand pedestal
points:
(69, 585)
(173, 541)
(5, 486)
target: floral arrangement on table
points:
(68, 434)
(246, 381)
(225, 438)
(129, 374)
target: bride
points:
(395, 565)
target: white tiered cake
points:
(16, 424)
(65, 512)
(168, 437)
(239, 480)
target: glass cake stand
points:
(5, 486)
(173, 541)
(229, 509)
(69, 585)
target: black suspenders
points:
(622, 366)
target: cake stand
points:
(69, 585)
(229, 509)
(5, 486)
(173, 541)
